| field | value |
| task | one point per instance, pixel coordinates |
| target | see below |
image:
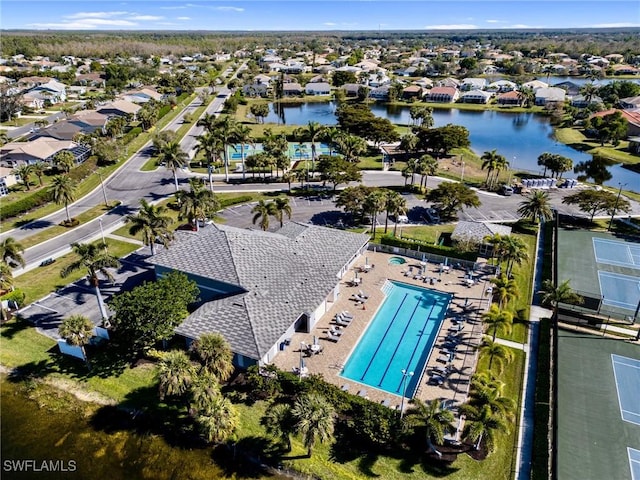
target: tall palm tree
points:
(77, 330)
(279, 422)
(496, 351)
(198, 203)
(64, 161)
(280, 208)
(215, 354)
(488, 390)
(501, 164)
(39, 169)
(262, 210)
(207, 121)
(505, 289)
(203, 389)
(6, 277)
(394, 203)
(96, 261)
(514, 252)
(153, 222)
(482, 424)
(427, 165)
(497, 320)
(544, 160)
(313, 131)
(374, 203)
(210, 146)
(174, 158)
(492, 161)
(219, 422)
(433, 419)
(351, 146)
(536, 207)
(175, 374)
(24, 171)
(331, 136)
(226, 130)
(314, 419)
(563, 293)
(11, 251)
(62, 192)
(243, 135)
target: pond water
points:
(81, 442)
(520, 137)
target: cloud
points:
(453, 26)
(614, 25)
(145, 18)
(84, 24)
(93, 20)
(522, 25)
(84, 15)
(229, 9)
(183, 18)
(330, 24)
(493, 21)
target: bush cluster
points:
(227, 202)
(23, 205)
(131, 134)
(428, 248)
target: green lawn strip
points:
(576, 139)
(56, 230)
(41, 281)
(19, 122)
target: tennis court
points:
(616, 253)
(619, 290)
(597, 386)
(627, 376)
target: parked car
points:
(506, 190)
(432, 215)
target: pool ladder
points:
(386, 288)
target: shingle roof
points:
(283, 274)
(477, 231)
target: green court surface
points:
(593, 440)
(601, 264)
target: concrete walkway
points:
(512, 344)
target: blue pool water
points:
(400, 336)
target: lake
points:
(520, 137)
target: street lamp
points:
(616, 205)
(104, 244)
(462, 174)
(405, 375)
(302, 345)
(104, 192)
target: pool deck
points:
(330, 361)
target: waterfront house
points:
(511, 98)
(476, 96)
(317, 88)
(260, 287)
(442, 94)
(549, 95)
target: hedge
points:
(227, 202)
(428, 248)
(83, 170)
(131, 134)
(24, 204)
(17, 296)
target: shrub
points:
(17, 296)
(428, 248)
(74, 222)
(131, 134)
(83, 170)
(227, 202)
(23, 205)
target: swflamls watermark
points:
(32, 465)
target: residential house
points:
(351, 89)
(35, 102)
(61, 130)
(377, 79)
(442, 94)
(7, 179)
(632, 117)
(476, 96)
(535, 84)
(629, 103)
(318, 79)
(512, 98)
(89, 121)
(449, 82)
(27, 83)
(380, 93)
(256, 90)
(571, 88)
(473, 84)
(546, 96)
(477, 233)
(52, 91)
(580, 101)
(261, 287)
(625, 70)
(90, 80)
(121, 108)
(412, 91)
(42, 149)
(292, 89)
(502, 86)
(142, 96)
(317, 88)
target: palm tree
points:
(395, 204)
(514, 252)
(62, 192)
(490, 162)
(374, 203)
(226, 130)
(219, 422)
(24, 171)
(544, 160)
(262, 210)
(496, 351)
(210, 146)
(6, 277)
(313, 417)
(280, 207)
(198, 203)
(175, 374)
(215, 354)
(64, 161)
(497, 320)
(505, 289)
(563, 293)
(39, 169)
(11, 251)
(433, 419)
(331, 135)
(77, 330)
(487, 390)
(537, 207)
(243, 135)
(351, 146)
(173, 158)
(483, 424)
(203, 389)
(427, 165)
(96, 261)
(207, 121)
(313, 131)
(501, 164)
(153, 222)
(279, 422)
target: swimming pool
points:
(397, 261)
(399, 337)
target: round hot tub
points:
(397, 261)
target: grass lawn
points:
(56, 230)
(41, 281)
(576, 139)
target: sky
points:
(349, 15)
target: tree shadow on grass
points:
(249, 457)
(13, 327)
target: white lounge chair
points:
(362, 294)
(345, 387)
(342, 322)
(362, 393)
(332, 338)
(334, 331)
(345, 314)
